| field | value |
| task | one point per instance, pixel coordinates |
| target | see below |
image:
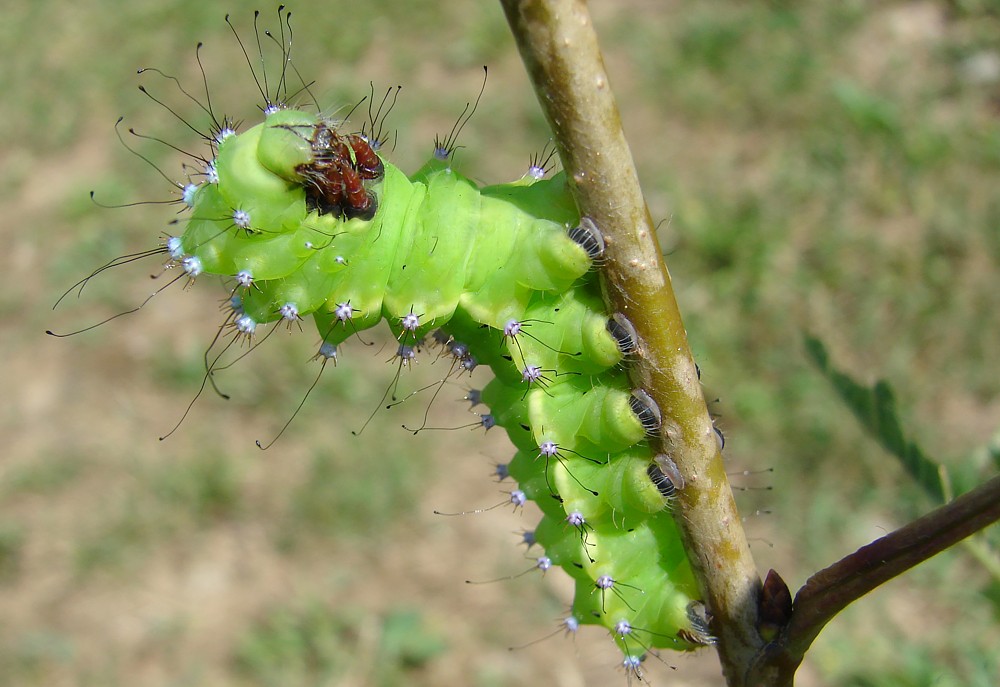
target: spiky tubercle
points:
(442, 254)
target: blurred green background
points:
(825, 167)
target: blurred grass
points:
(823, 167)
(319, 645)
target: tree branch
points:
(829, 591)
(559, 47)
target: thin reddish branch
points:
(829, 591)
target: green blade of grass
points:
(875, 408)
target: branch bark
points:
(829, 591)
(559, 47)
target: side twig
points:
(829, 591)
(559, 47)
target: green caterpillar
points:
(309, 221)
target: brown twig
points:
(829, 591)
(559, 47)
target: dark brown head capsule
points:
(358, 201)
(367, 163)
(334, 180)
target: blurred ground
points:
(826, 167)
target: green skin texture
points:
(469, 260)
